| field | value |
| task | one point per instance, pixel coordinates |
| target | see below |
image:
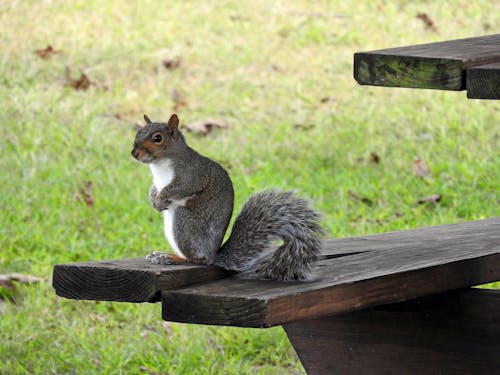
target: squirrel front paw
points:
(157, 257)
(160, 257)
(159, 205)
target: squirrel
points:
(195, 196)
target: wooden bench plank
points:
(456, 332)
(137, 280)
(126, 280)
(408, 266)
(439, 65)
(483, 82)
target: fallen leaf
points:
(178, 99)
(433, 198)
(216, 346)
(8, 284)
(420, 168)
(374, 158)
(100, 85)
(275, 68)
(46, 52)
(304, 126)
(167, 326)
(357, 197)
(428, 22)
(24, 278)
(85, 194)
(206, 126)
(172, 63)
(82, 83)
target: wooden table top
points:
(442, 66)
(353, 273)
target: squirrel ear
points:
(173, 122)
(146, 118)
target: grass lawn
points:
(280, 75)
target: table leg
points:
(451, 333)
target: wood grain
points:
(439, 65)
(126, 280)
(400, 266)
(483, 82)
(453, 333)
(137, 280)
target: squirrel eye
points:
(157, 138)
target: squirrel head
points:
(154, 140)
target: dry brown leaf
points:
(167, 326)
(24, 278)
(46, 52)
(420, 168)
(275, 68)
(433, 198)
(374, 158)
(82, 83)
(172, 63)
(357, 197)
(7, 279)
(304, 126)
(206, 126)
(428, 22)
(216, 346)
(8, 283)
(85, 194)
(178, 99)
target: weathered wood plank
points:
(126, 280)
(453, 333)
(439, 65)
(409, 265)
(136, 280)
(483, 82)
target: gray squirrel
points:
(196, 196)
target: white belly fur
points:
(163, 175)
(168, 227)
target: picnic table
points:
(398, 302)
(471, 64)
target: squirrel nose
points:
(135, 153)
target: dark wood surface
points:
(453, 333)
(399, 266)
(439, 65)
(137, 280)
(483, 82)
(126, 280)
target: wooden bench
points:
(393, 303)
(446, 331)
(471, 64)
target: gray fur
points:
(266, 216)
(200, 225)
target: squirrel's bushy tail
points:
(267, 216)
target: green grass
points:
(280, 73)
